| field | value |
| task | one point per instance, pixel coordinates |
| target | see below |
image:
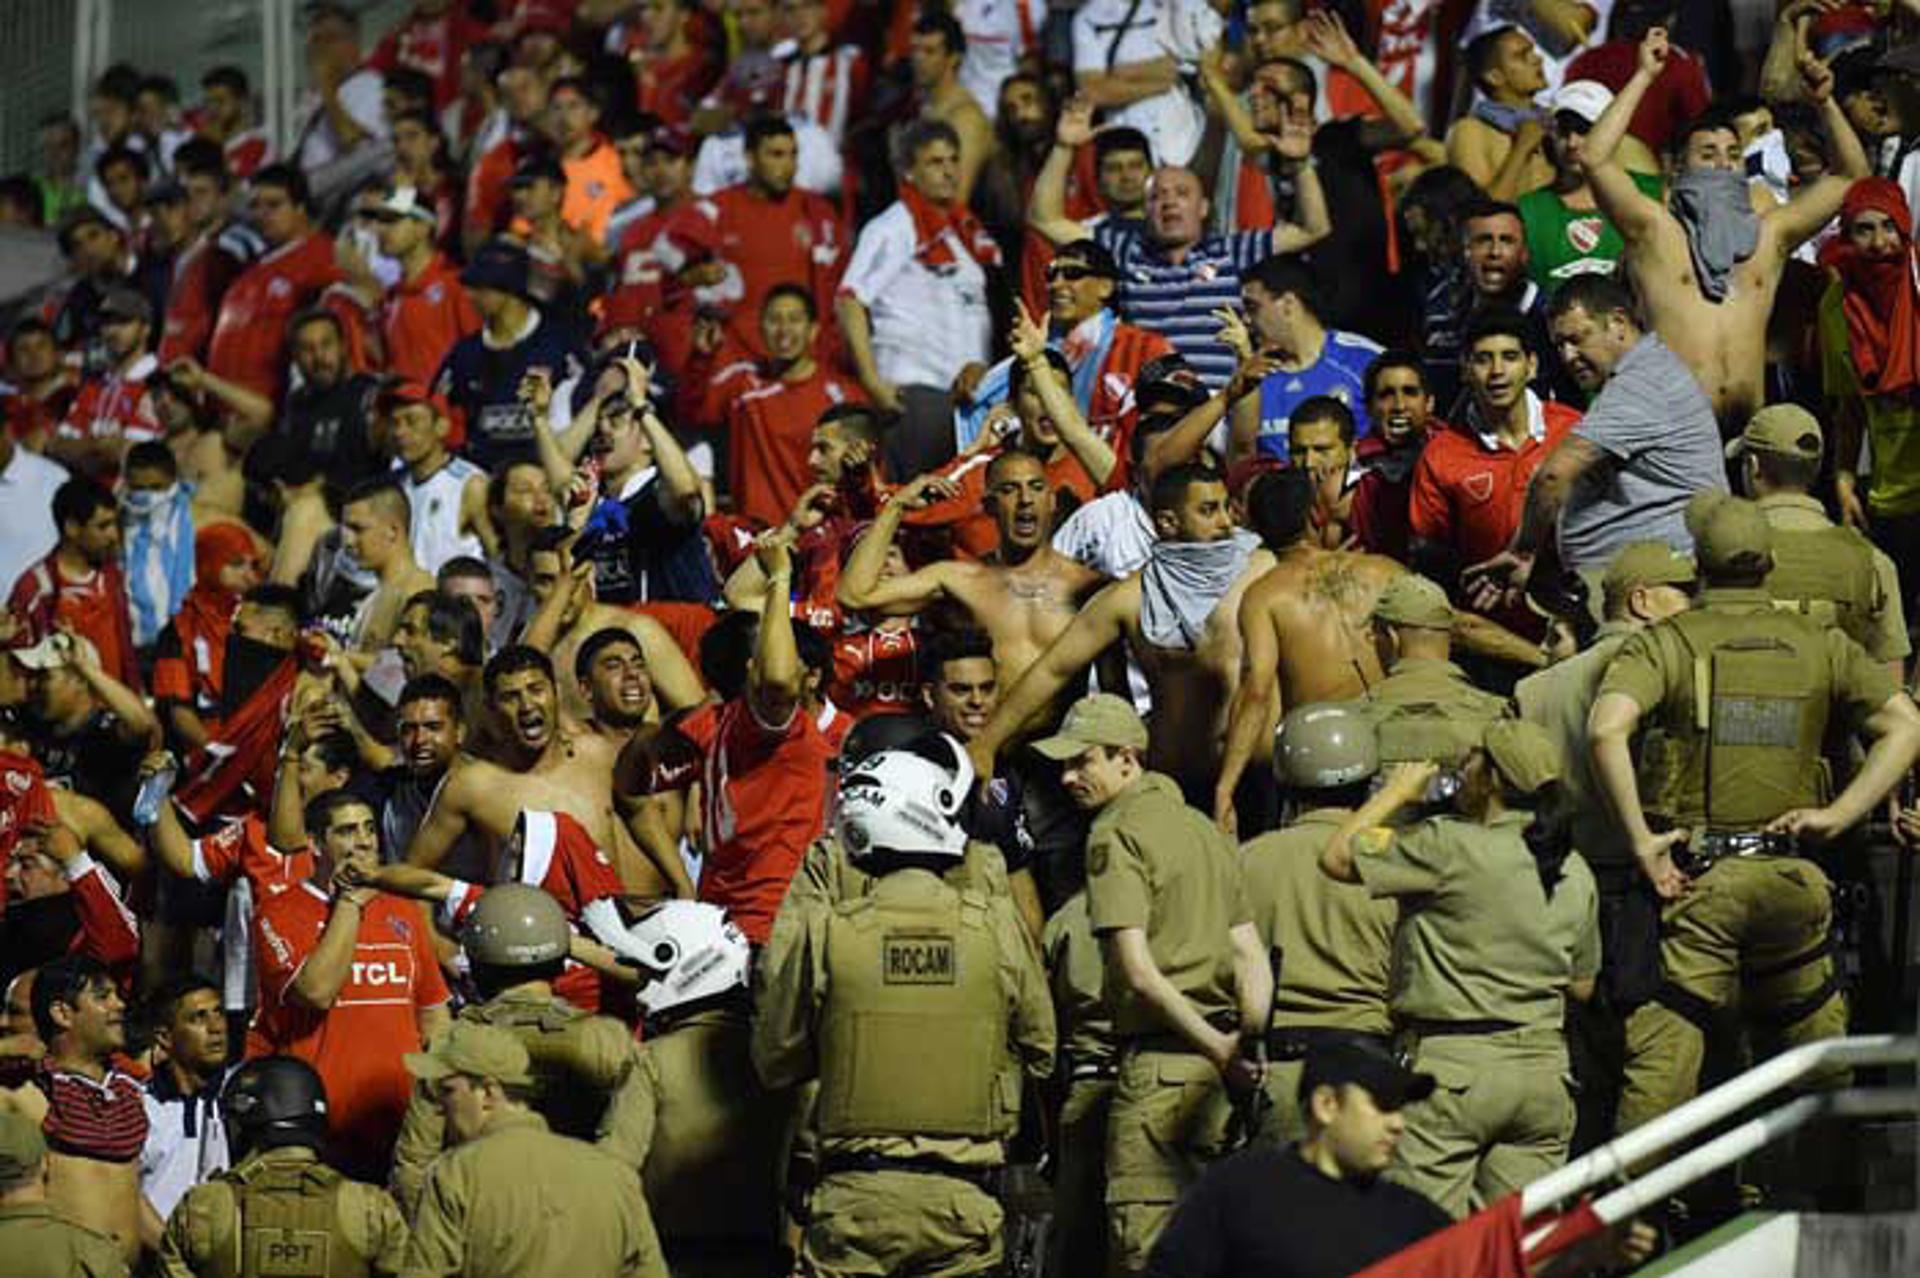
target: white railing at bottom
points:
(1613, 1159)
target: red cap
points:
(401, 393)
(674, 139)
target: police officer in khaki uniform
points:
(1426, 707)
(511, 1199)
(1646, 582)
(34, 1240)
(1187, 978)
(279, 1212)
(1744, 694)
(1832, 574)
(1331, 944)
(918, 1006)
(516, 941)
(707, 1138)
(1498, 927)
(1090, 1060)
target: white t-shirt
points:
(1110, 534)
(27, 534)
(996, 37)
(1172, 120)
(435, 527)
(360, 95)
(722, 161)
(927, 323)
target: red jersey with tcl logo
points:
(796, 239)
(422, 319)
(117, 405)
(357, 1044)
(250, 335)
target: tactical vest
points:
(1750, 749)
(568, 1090)
(1826, 575)
(914, 1037)
(286, 1224)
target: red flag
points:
(1486, 1244)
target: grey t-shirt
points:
(1655, 423)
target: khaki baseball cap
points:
(1525, 757)
(1101, 719)
(22, 1147)
(1647, 563)
(1730, 534)
(1413, 600)
(1786, 429)
(478, 1051)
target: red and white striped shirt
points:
(99, 1118)
(117, 405)
(823, 86)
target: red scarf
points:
(1882, 300)
(245, 754)
(931, 221)
(206, 614)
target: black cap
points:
(1097, 257)
(1364, 1062)
(167, 192)
(498, 264)
(1169, 381)
(538, 166)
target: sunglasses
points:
(1072, 273)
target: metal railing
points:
(1615, 1159)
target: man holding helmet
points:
(516, 939)
(917, 1004)
(1332, 945)
(292, 1213)
(692, 1116)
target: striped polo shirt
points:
(1177, 300)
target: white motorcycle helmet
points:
(696, 949)
(899, 801)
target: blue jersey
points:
(483, 384)
(1340, 372)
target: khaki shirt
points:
(521, 1202)
(790, 1002)
(1885, 632)
(1156, 864)
(1655, 668)
(1478, 939)
(1335, 941)
(1428, 709)
(1078, 975)
(201, 1230)
(1557, 700)
(705, 1135)
(579, 1059)
(35, 1242)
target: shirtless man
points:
(938, 48)
(1192, 663)
(538, 763)
(374, 525)
(1305, 631)
(1712, 308)
(1024, 595)
(567, 614)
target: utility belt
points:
(1081, 1069)
(1704, 850)
(1420, 1027)
(1295, 1042)
(988, 1180)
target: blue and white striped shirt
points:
(1177, 300)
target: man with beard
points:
(80, 586)
(770, 404)
(1024, 594)
(537, 762)
(1023, 137)
(1176, 615)
(428, 739)
(1400, 406)
(86, 728)
(1707, 263)
(331, 414)
(766, 233)
(1493, 250)
(113, 409)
